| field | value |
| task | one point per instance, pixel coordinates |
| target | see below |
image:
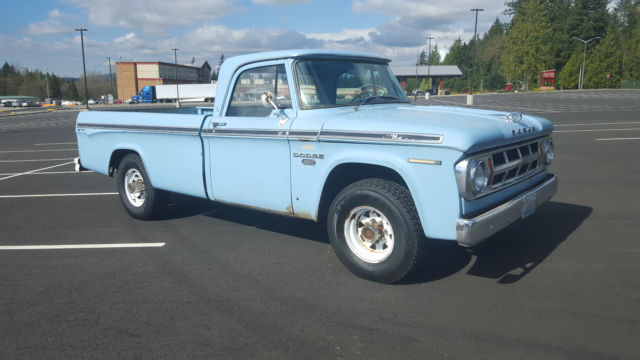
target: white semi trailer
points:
(187, 92)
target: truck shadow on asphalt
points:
(512, 253)
(507, 257)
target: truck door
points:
(248, 157)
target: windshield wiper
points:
(377, 97)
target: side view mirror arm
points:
(267, 101)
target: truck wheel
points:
(139, 197)
(375, 231)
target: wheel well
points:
(116, 157)
(344, 175)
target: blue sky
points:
(40, 34)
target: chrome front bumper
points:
(471, 232)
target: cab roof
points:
(240, 60)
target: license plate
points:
(528, 205)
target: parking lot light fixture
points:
(584, 58)
(175, 54)
(473, 61)
(84, 67)
(110, 80)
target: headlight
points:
(472, 176)
(478, 173)
(547, 151)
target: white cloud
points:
(345, 34)
(56, 23)
(154, 15)
(280, 2)
(413, 20)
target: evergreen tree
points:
(568, 77)
(422, 58)
(434, 57)
(527, 49)
(605, 59)
(589, 19)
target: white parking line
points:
(49, 173)
(617, 139)
(55, 195)
(592, 130)
(597, 124)
(30, 151)
(35, 160)
(33, 171)
(64, 143)
(82, 246)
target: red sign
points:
(548, 79)
(608, 76)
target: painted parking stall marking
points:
(82, 246)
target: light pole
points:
(415, 90)
(110, 80)
(175, 54)
(473, 61)
(584, 58)
(120, 89)
(84, 68)
(429, 59)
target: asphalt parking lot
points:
(213, 281)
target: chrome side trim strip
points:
(141, 128)
(378, 136)
(261, 133)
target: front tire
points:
(375, 231)
(139, 197)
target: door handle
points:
(217, 124)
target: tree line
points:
(541, 36)
(15, 81)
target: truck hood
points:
(464, 129)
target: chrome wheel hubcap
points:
(134, 187)
(369, 234)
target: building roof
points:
(159, 63)
(427, 71)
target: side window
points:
(251, 84)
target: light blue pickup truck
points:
(330, 136)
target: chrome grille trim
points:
(526, 164)
(511, 164)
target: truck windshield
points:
(331, 83)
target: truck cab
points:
(145, 96)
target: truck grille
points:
(514, 163)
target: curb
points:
(26, 112)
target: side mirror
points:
(267, 101)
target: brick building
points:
(131, 77)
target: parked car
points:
(6, 103)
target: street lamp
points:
(584, 57)
(429, 62)
(473, 61)
(175, 54)
(110, 80)
(84, 68)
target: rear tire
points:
(139, 197)
(374, 229)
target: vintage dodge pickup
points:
(330, 136)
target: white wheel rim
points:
(134, 187)
(369, 234)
